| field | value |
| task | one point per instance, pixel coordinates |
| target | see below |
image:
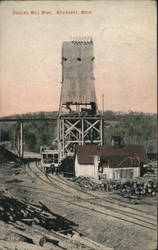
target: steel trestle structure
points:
(78, 131)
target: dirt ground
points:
(99, 216)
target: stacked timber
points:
(140, 186)
(88, 183)
(15, 210)
(30, 226)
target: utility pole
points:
(20, 140)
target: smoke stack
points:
(116, 141)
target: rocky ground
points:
(37, 212)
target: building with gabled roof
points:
(114, 162)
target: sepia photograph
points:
(78, 119)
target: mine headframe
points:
(79, 122)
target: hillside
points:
(134, 127)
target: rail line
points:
(43, 179)
(90, 196)
(123, 212)
(121, 203)
(113, 212)
(118, 210)
(83, 206)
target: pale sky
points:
(124, 36)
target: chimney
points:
(116, 141)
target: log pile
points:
(139, 187)
(88, 183)
(150, 169)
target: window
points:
(55, 158)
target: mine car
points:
(50, 160)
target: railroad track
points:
(110, 200)
(114, 207)
(105, 207)
(31, 168)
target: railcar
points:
(50, 160)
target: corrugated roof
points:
(85, 154)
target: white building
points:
(109, 162)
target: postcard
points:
(78, 125)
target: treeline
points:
(134, 127)
(36, 133)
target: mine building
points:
(116, 161)
(80, 124)
(79, 121)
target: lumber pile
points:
(13, 210)
(30, 226)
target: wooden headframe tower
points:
(79, 122)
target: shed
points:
(108, 161)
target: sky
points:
(124, 36)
